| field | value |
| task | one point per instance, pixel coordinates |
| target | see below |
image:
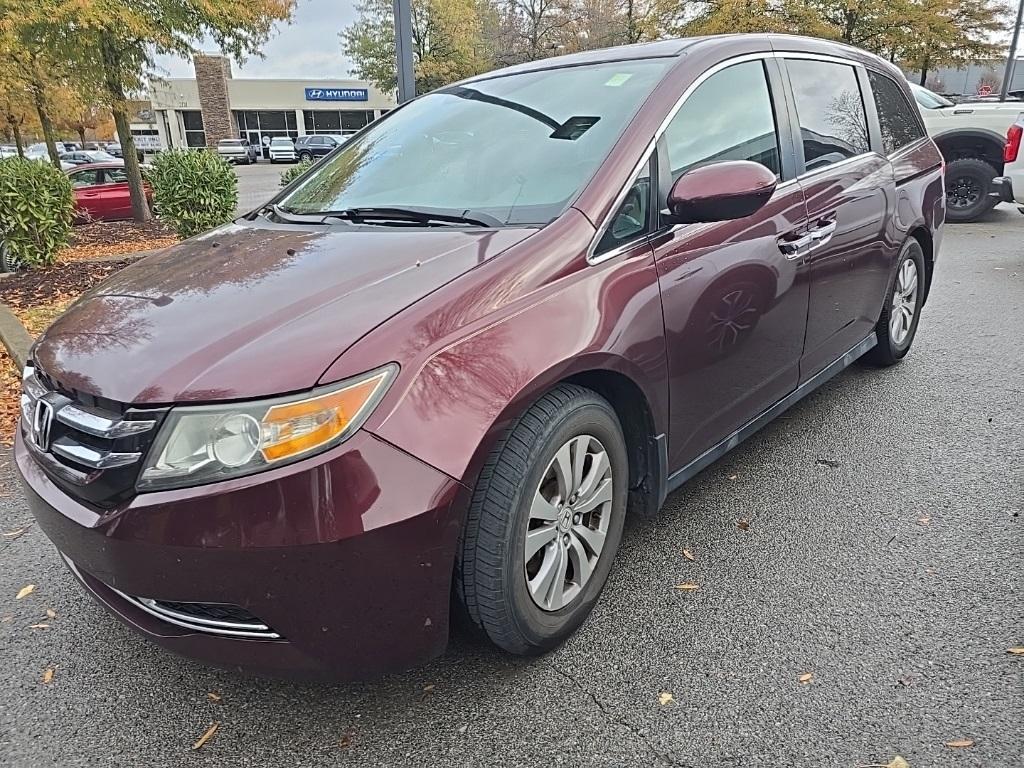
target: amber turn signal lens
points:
(295, 428)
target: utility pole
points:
(1011, 59)
(403, 50)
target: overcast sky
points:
(306, 48)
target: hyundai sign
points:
(337, 94)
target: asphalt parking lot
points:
(258, 183)
(883, 557)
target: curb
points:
(14, 337)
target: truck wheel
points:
(545, 522)
(968, 183)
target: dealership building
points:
(200, 111)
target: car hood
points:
(250, 311)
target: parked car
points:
(282, 149)
(1009, 188)
(114, 149)
(971, 137)
(458, 353)
(84, 157)
(101, 192)
(8, 150)
(238, 151)
(313, 147)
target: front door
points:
(734, 293)
(849, 190)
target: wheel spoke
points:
(542, 509)
(548, 586)
(579, 461)
(910, 288)
(895, 322)
(563, 470)
(594, 540)
(601, 495)
(580, 561)
(598, 469)
(537, 538)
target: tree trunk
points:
(924, 72)
(115, 92)
(17, 140)
(140, 208)
(81, 136)
(47, 124)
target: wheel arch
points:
(924, 237)
(977, 143)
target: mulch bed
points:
(113, 238)
(61, 282)
(10, 394)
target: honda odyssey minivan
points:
(438, 370)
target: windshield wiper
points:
(412, 216)
(287, 215)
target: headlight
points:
(206, 443)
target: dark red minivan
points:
(440, 368)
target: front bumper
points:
(347, 556)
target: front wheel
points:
(545, 522)
(305, 156)
(897, 324)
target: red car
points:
(101, 192)
(440, 368)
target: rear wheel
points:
(305, 156)
(897, 325)
(968, 183)
(545, 522)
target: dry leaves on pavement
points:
(687, 586)
(1019, 651)
(806, 677)
(665, 698)
(51, 614)
(207, 735)
(960, 743)
(48, 676)
(743, 524)
(25, 591)
(688, 555)
(216, 698)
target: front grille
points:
(90, 446)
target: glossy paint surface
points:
(249, 311)
(481, 323)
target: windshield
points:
(517, 147)
(927, 99)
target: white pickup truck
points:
(971, 137)
(237, 151)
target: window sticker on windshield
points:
(616, 80)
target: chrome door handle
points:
(822, 233)
(794, 246)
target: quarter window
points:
(631, 220)
(898, 120)
(728, 117)
(833, 124)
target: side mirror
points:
(720, 192)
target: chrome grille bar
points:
(90, 422)
(91, 457)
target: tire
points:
(894, 343)
(968, 183)
(492, 571)
(305, 156)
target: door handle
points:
(794, 244)
(822, 231)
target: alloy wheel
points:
(904, 302)
(568, 522)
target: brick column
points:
(212, 75)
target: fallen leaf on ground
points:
(25, 591)
(688, 555)
(207, 736)
(48, 675)
(898, 762)
(733, 477)
(1016, 651)
(743, 524)
(687, 586)
(51, 614)
(958, 743)
(924, 520)
(16, 532)
(665, 698)
(806, 677)
(428, 688)
(38, 626)
(214, 697)
(5, 619)
(347, 739)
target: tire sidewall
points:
(912, 250)
(544, 629)
(975, 169)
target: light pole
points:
(1011, 59)
(403, 50)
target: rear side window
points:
(728, 117)
(833, 124)
(897, 118)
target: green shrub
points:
(290, 174)
(36, 205)
(193, 190)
